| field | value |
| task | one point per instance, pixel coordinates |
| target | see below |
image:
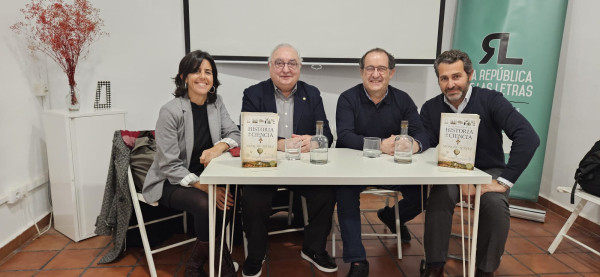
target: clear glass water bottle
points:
(319, 145)
(403, 145)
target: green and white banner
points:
(515, 47)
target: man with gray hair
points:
(299, 106)
(455, 72)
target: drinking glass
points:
(293, 146)
(371, 147)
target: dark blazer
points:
(308, 106)
(496, 115)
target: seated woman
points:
(191, 130)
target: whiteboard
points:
(325, 31)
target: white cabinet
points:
(79, 146)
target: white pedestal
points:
(79, 146)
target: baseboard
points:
(562, 211)
(21, 239)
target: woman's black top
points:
(202, 138)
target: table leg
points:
(211, 231)
(223, 228)
(472, 259)
(462, 231)
(233, 220)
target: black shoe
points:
(386, 215)
(433, 272)
(404, 234)
(359, 269)
(323, 262)
(252, 268)
(481, 273)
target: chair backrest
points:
(136, 196)
(142, 151)
(129, 137)
(140, 160)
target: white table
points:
(345, 167)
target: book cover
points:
(259, 139)
(458, 140)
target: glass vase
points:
(72, 100)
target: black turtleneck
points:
(202, 138)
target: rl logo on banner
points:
(502, 59)
(525, 73)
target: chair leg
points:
(142, 226)
(398, 239)
(567, 226)
(245, 245)
(185, 222)
(228, 236)
(304, 211)
(333, 235)
(291, 204)
(424, 212)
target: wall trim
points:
(8, 250)
(565, 212)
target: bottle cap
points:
(319, 122)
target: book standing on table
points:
(259, 139)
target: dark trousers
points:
(256, 209)
(494, 224)
(195, 202)
(348, 207)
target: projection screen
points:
(325, 31)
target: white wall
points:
(22, 146)
(143, 52)
(139, 57)
(574, 124)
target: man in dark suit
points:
(299, 106)
(454, 70)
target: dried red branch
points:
(62, 31)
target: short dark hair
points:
(452, 56)
(190, 64)
(391, 60)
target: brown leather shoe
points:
(198, 258)
(227, 267)
(433, 272)
(481, 273)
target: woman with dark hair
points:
(191, 130)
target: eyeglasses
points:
(380, 69)
(292, 65)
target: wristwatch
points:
(505, 185)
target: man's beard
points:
(459, 96)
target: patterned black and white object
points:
(97, 104)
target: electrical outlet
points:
(40, 88)
(23, 190)
(14, 195)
